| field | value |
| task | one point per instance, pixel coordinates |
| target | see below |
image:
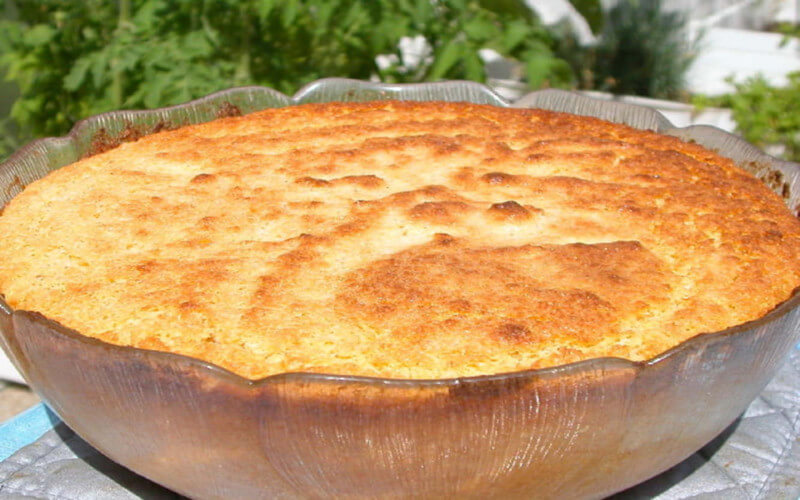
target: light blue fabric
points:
(25, 428)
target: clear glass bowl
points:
(584, 430)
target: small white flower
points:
(386, 61)
(415, 51)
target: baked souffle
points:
(420, 240)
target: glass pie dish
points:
(583, 430)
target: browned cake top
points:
(397, 239)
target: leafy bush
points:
(642, 50)
(765, 115)
(74, 59)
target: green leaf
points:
(154, 90)
(473, 66)
(147, 14)
(212, 35)
(195, 45)
(444, 59)
(514, 33)
(77, 74)
(99, 68)
(537, 70)
(39, 35)
(560, 73)
(421, 13)
(289, 12)
(10, 33)
(325, 13)
(515, 9)
(479, 29)
(264, 8)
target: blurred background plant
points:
(73, 59)
(642, 49)
(766, 114)
(64, 60)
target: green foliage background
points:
(642, 50)
(70, 59)
(75, 59)
(765, 114)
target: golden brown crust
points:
(398, 239)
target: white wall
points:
(743, 14)
(742, 53)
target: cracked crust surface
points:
(399, 239)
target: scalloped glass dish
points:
(584, 430)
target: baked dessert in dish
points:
(402, 240)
